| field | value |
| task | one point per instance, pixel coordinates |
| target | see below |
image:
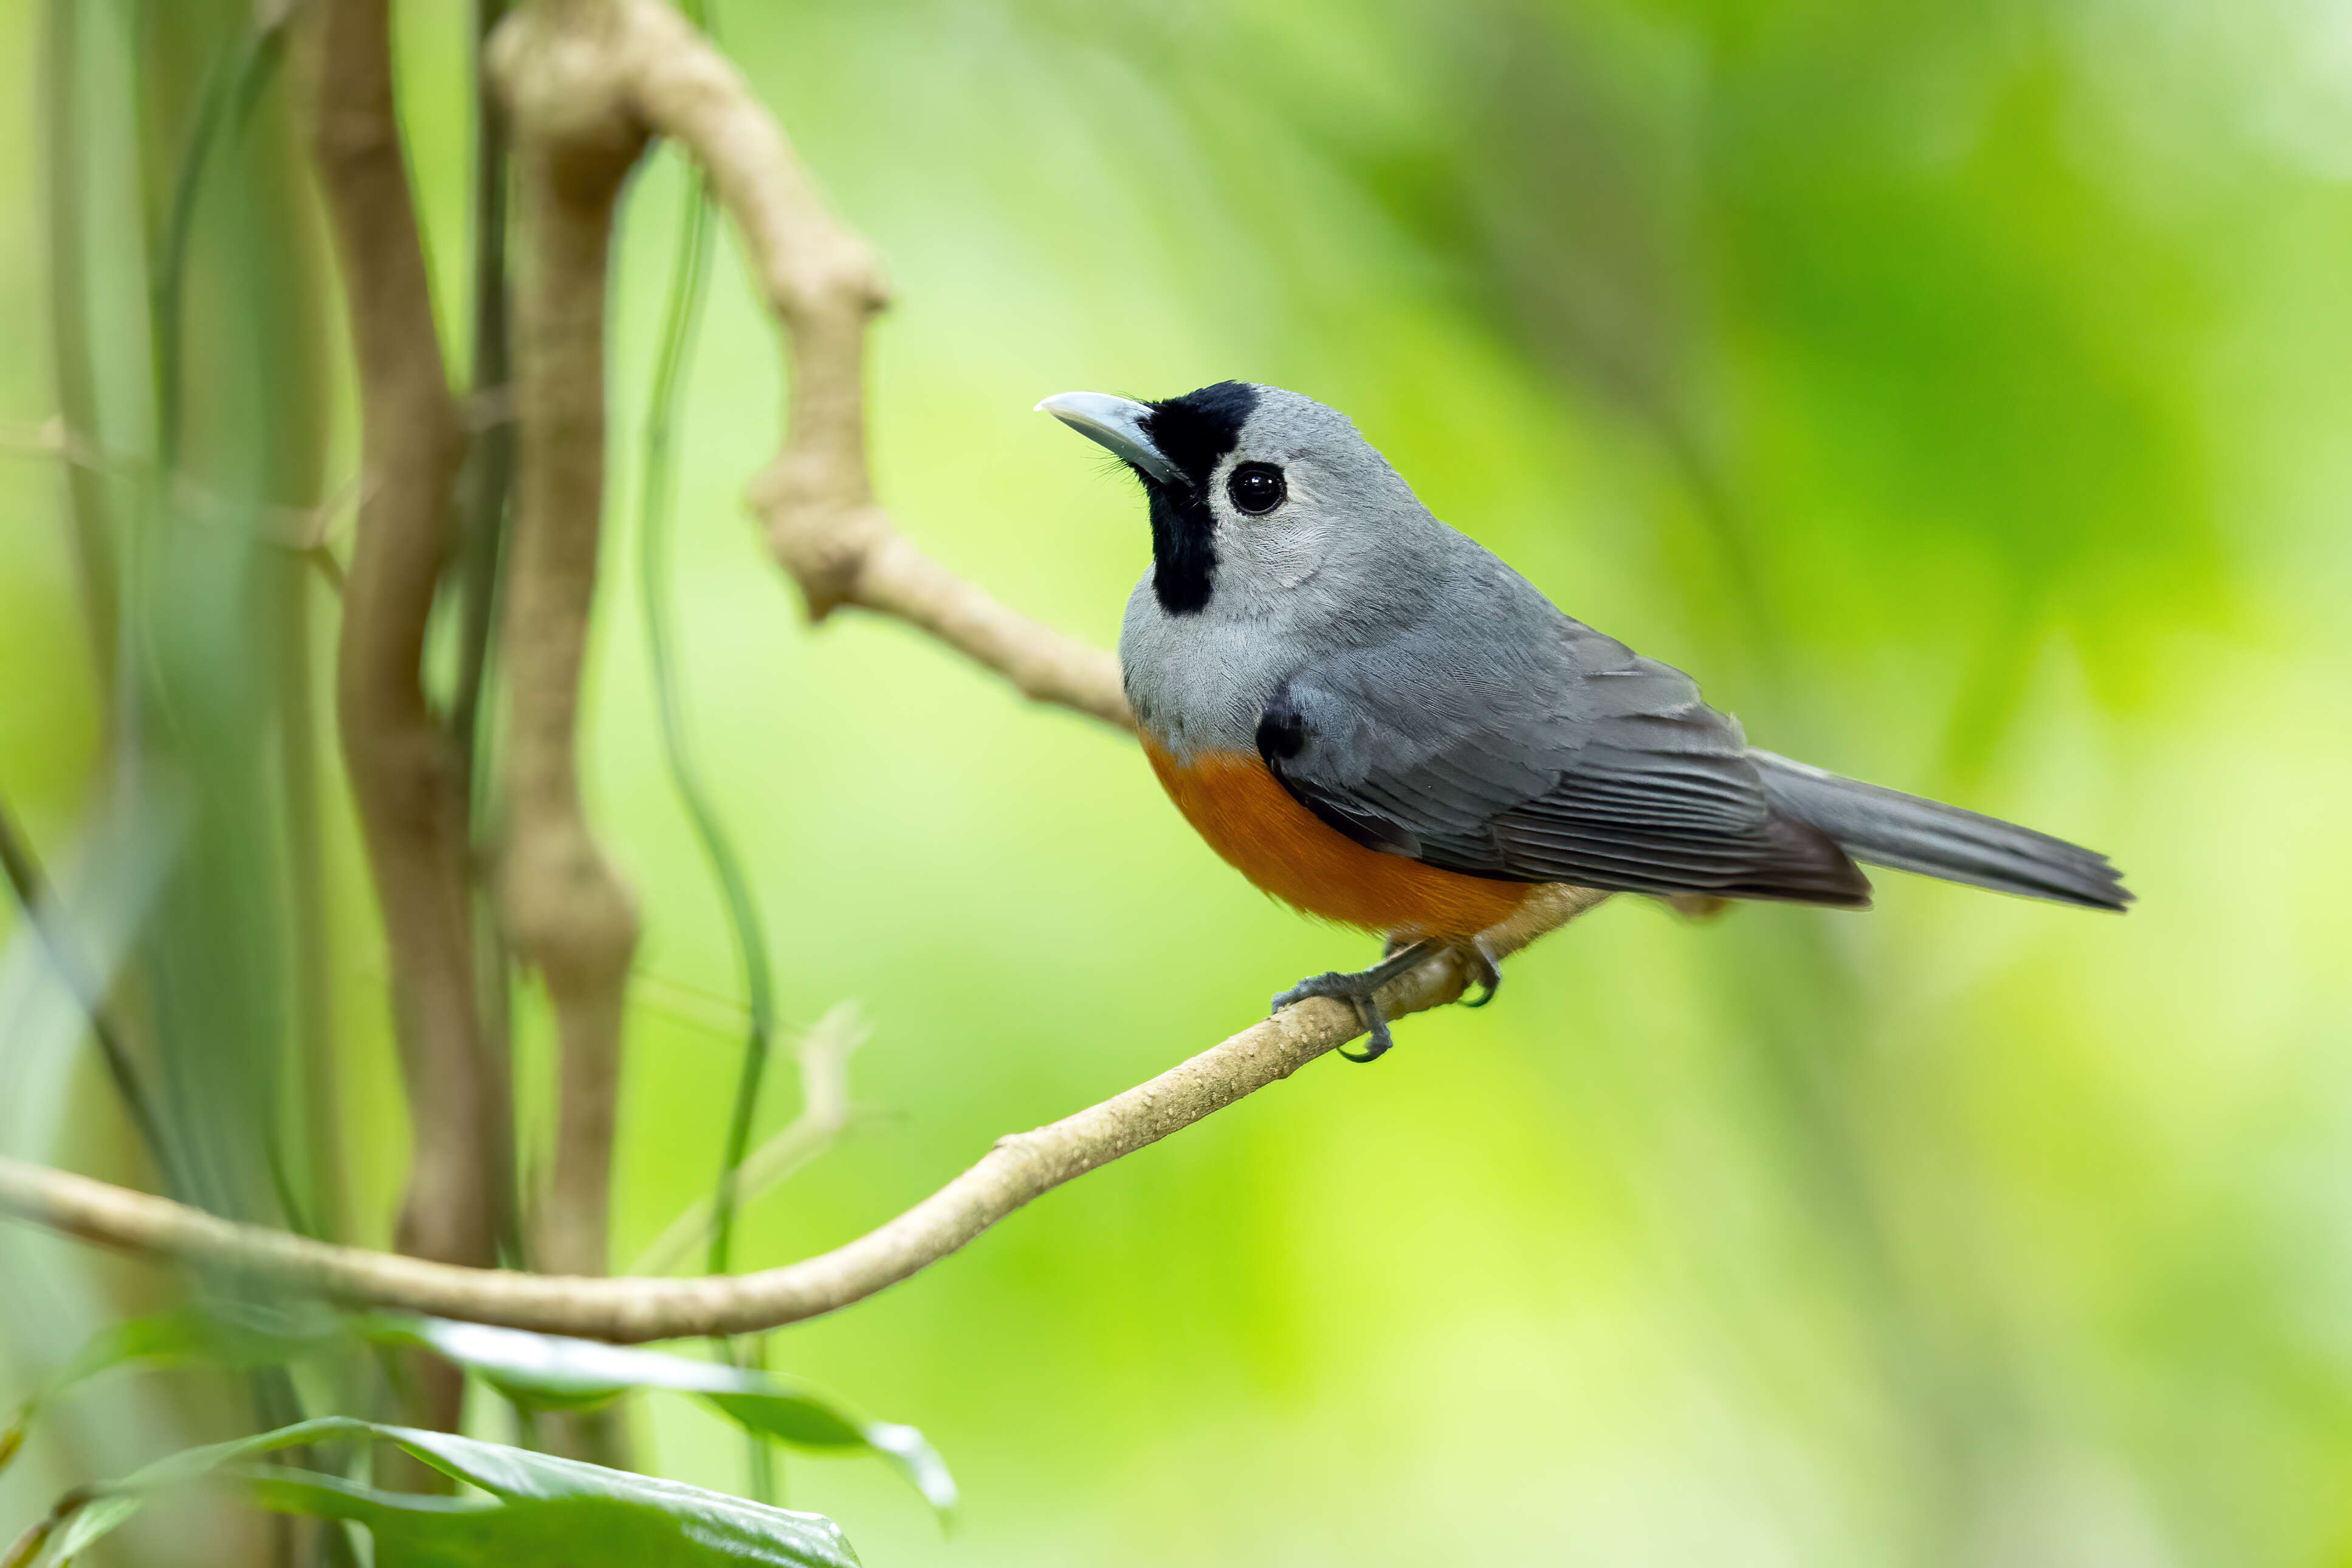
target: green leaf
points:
(216, 1336)
(542, 1512)
(549, 1372)
(804, 1421)
(85, 1525)
(81, 1520)
(728, 1528)
(413, 1531)
(553, 1373)
(792, 1417)
(545, 1371)
(907, 1451)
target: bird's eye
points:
(1257, 488)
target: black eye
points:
(1257, 488)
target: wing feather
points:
(1583, 763)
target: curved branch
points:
(894, 578)
(824, 283)
(1020, 1168)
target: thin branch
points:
(824, 1052)
(300, 531)
(892, 577)
(404, 773)
(1020, 1168)
(681, 320)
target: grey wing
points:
(1562, 756)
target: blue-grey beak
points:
(1116, 423)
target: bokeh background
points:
(1962, 391)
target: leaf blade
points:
(553, 1371)
(543, 1511)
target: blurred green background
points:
(1960, 391)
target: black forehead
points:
(1196, 430)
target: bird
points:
(1376, 721)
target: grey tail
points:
(1887, 828)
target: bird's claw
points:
(1361, 990)
(1357, 990)
(1484, 972)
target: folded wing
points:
(1560, 756)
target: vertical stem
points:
(77, 376)
(486, 490)
(488, 482)
(320, 1100)
(567, 912)
(251, 117)
(238, 70)
(689, 279)
(405, 774)
(681, 316)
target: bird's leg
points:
(1361, 990)
(1477, 957)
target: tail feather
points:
(1907, 833)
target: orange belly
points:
(1247, 816)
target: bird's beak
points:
(1117, 423)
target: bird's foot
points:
(1351, 989)
(1361, 990)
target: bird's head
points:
(1255, 491)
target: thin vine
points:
(689, 285)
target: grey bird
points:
(1375, 720)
